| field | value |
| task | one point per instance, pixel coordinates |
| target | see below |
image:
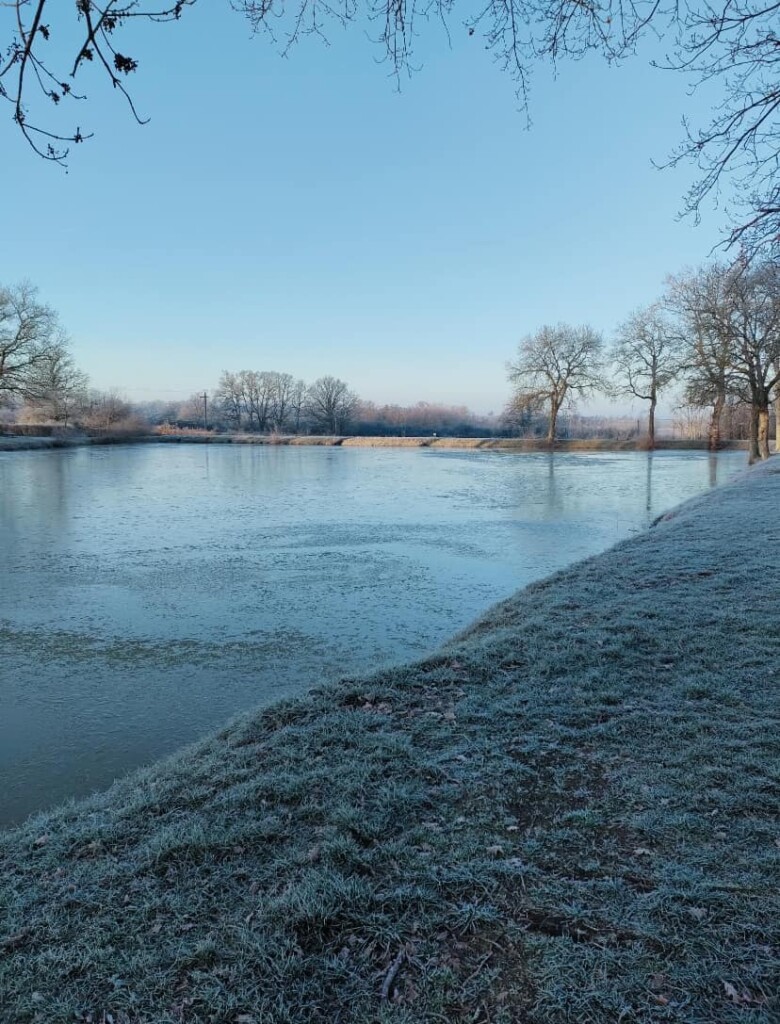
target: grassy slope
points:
(568, 814)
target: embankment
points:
(569, 813)
(15, 443)
(27, 442)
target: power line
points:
(188, 393)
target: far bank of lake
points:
(35, 438)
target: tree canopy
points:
(730, 320)
(732, 42)
(647, 358)
(555, 365)
(33, 344)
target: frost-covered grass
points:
(568, 814)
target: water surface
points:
(151, 592)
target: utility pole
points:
(205, 411)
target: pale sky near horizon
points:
(301, 214)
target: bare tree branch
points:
(733, 43)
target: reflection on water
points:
(649, 487)
(150, 592)
(552, 493)
(713, 465)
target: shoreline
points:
(519, 445)
(568, 811)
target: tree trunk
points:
(717, 413)
(651, 421)
(554, 409)
(777, 420)
(753, 444)
(763, 432)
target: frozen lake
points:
(151, 592)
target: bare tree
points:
(702, 303)
(297, 403)
(36, 71)
(523, 415)
(60, 387)
(756, 309)
(647, 359)
(257, 391)
(105, 409)
(260, 400)
(690, 422)
(31, 338)
(734, 42)
(420, 419)
(732, 318)
(737, 419)
(282, 386)
(555, 365)
(191, 412)
(330, 404)
(228, 399)
(731, 42)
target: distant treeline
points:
(266, 401)
(97, 411)
(711, 344)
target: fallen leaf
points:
(731, 992)
(741, 998)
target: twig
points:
(390, 977)
(477, 970)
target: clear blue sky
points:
(300, 214)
